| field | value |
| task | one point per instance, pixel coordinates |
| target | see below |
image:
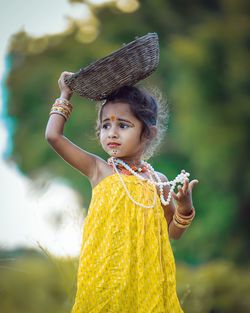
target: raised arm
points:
(78, 158)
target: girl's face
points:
(120, 132)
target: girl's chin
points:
(115, 153)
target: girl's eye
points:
(122, 125)
(105, 126)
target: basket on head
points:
(125, 66)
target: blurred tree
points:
(203, 71)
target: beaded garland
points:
(133, 167)
(179, 179)
(112, 163)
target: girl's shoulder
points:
(162, 176)
(102, 171)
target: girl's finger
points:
(192, 183)
(180, 191)
(68, 73)
(185, 186)
(174, 195)
(65, 73)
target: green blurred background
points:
(204, 74)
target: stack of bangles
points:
(183, 221)
(63, 107)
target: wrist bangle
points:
(62, 107)
(60, 113)
(181, 220)
(186, 217)
(64, 101)
(65, 107)
(180, 225)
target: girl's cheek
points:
(101, 135)
(100, 138)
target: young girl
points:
(126, 262)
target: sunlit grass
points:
(38, 282)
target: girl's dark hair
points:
(146, 107)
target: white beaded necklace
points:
(178, 179)
(126, 189)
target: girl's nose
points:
(112, 133)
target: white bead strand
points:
(129, 195)
(179, 179)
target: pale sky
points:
(27, 217)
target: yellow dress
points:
(126, 262)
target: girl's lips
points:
(113, 144)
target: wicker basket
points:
(126, 66)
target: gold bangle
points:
(60, 113)
(57, 105)
(186, 217)
(181, 221)
(60, 109)
(180, 225)
(64, 101)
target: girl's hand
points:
(184, 196)
(66, 92)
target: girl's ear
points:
(151, 136)
(153, 130)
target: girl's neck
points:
(125, 165)
(132, 161)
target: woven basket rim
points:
(149, 41)
(116, 52)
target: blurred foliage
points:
(203, 70)
(32, 282)
(216, 287)
(37, 283)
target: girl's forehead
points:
(117, 109)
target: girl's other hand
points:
(66, 92)
(184, 196)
